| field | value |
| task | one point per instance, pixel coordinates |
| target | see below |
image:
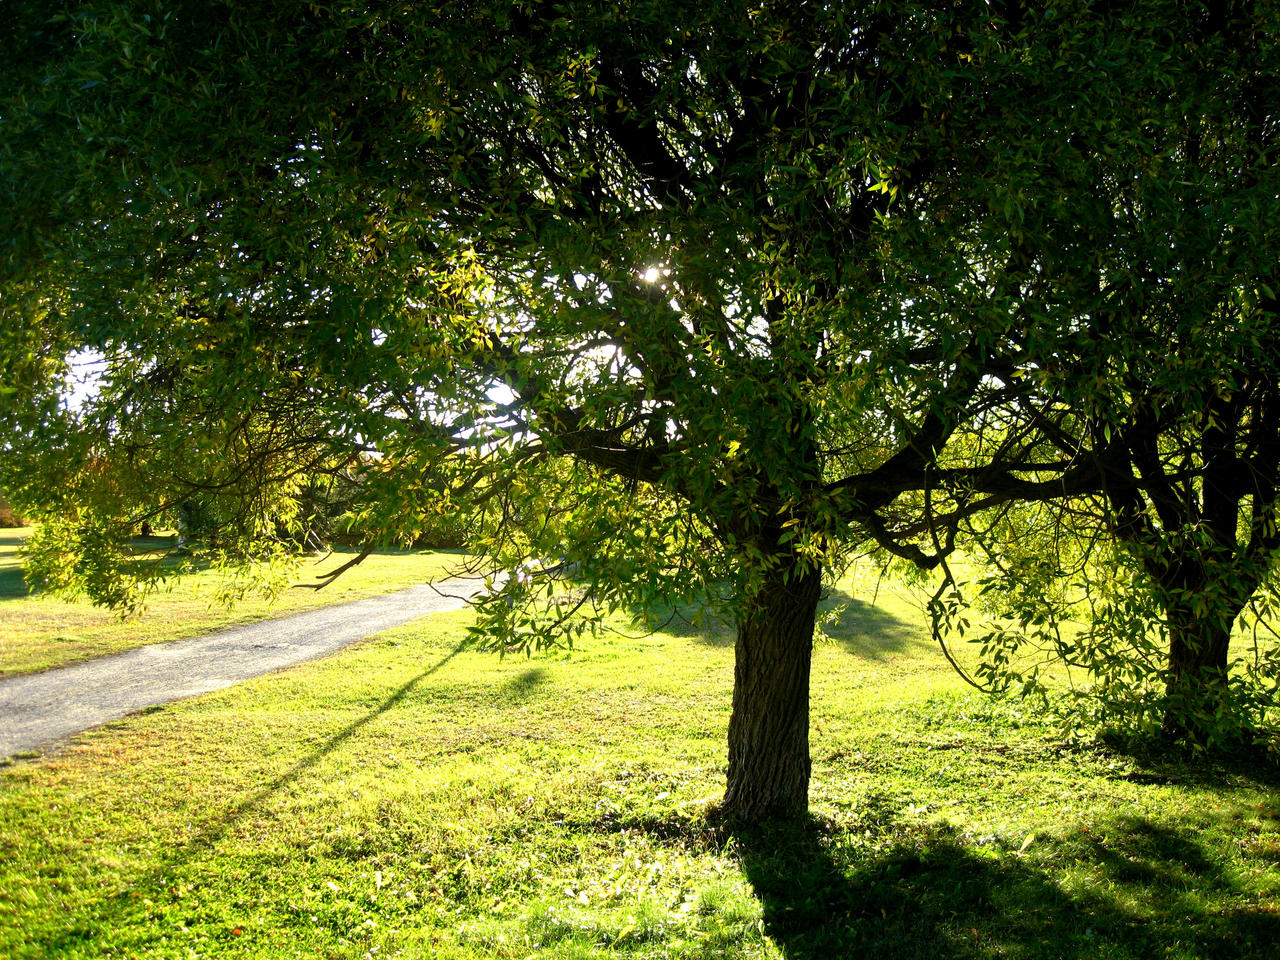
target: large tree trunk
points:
(1197, 681)
(769, 728)
(1209, 583)
(1202, 598)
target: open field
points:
(38, 631)
(409, 799)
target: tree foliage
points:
(1172, 390)
(690, 298)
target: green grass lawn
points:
(408, 799)
(38, 631)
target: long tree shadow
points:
(867, 630)
(692, 620)
(215, 830)
(860, 628)
(1159, 762)
(932, 897)
(11, 537)
(109, 911)
(12, 581)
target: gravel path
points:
(41, 708)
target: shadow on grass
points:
(932, 897)
(146, 553)
(1161, 763)
(868, 631)
(692, 620)
(526, 684)
(216, 830)
(110, 911)
(12, 583)
(862, 629)
(11, 537)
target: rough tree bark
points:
(1201, 607)
(769, 727)
(1197, 671)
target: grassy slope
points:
(39, 631)
(405, 799)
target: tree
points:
(691, 298)
(1201, 429)
(1172, 394)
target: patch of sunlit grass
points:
(407, 798)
